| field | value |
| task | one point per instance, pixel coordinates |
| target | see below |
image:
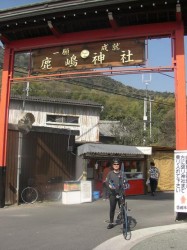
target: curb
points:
(119, 243)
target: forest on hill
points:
(121, 103)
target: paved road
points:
(55, 226)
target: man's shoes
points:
(110, 226)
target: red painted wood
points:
(180, 89)
(4, 103)
(138, 31)
(74, 74)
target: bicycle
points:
(123, 215)
(29, 195)
(33, 192)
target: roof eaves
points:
(43, 129)
(52, 7)
(56, 100)
(112, 149)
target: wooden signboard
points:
(89, 56)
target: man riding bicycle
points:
(115, 181)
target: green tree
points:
(130, 131)
(167, 129)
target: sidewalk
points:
(161, 238)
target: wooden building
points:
(48, 149)
(39, 155)
(59, 113)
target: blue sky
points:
(159, 54)
(5, 4)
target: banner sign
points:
(89, 56)
(180, 181)
(86, 191)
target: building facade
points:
(82, 116)
(48, 149)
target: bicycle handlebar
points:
(124, 186)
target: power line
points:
(168, 75)
(107, 90)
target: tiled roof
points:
(56, 100)
(109, 149)
(106, 128)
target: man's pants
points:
(113, 201)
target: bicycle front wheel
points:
(125, 222)
(29, 195)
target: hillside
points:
(120, 102)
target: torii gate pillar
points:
(4, 108)
(180, 101)
(180, 89)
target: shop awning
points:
(89, 149)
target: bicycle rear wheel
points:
(29, 195)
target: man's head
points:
(116, 164)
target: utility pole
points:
(26, 90)
(150, 117)
(145, 116)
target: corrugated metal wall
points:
(44, 155)
(165, 162)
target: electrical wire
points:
(108, 90)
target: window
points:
(62, 119)
(70, 119)
(54, 118)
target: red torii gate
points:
(174, 30)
